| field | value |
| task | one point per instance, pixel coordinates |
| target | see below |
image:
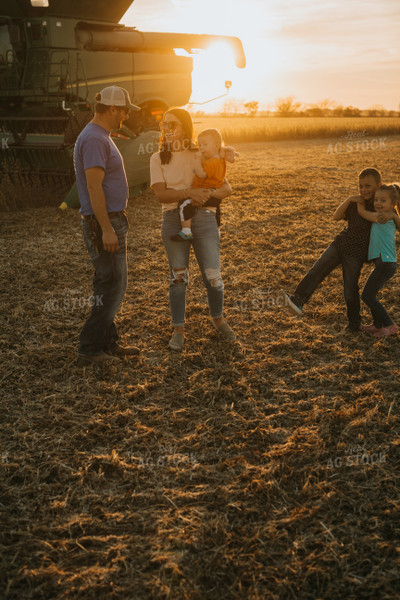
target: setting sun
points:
(211, 69)
(302, 49)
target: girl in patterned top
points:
(382, 251)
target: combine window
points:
(147, 119)
(36, 31)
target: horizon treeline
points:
(289, 107)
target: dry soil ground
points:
(263, 470)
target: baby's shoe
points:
(182, 237)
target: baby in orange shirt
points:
(210, 169)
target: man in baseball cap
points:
(103, 194)
(115, 96)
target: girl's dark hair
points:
(189, 142)
(394, 193)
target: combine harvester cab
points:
(55, 55)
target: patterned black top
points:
(354, 239)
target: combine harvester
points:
(55, 55)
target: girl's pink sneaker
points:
(369, 328)
(384, 332)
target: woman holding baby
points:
(172, 171)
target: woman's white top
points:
(177, 174)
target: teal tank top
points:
(382, 241)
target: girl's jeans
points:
(109, 285)
(380, 275)
(206, 248)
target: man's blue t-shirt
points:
(95, 148)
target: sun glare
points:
(214, 66)
(211, 68)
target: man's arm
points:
(340, 212)
(94, 179)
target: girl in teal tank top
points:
(382, 251)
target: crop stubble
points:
(223, 472)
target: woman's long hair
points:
(188, 142)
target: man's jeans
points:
(330, 259)
(206, 245)
(380, 275)
(109, 285)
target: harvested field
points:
(263, 470)
(347, 130)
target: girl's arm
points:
(375, 217)
(340, 212)
(368, 215)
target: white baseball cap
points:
(116, 96)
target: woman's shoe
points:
(369, 328)
(384, 332)
(176, 342)
(226, 332)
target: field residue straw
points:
(263, 470)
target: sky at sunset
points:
(345, 50)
